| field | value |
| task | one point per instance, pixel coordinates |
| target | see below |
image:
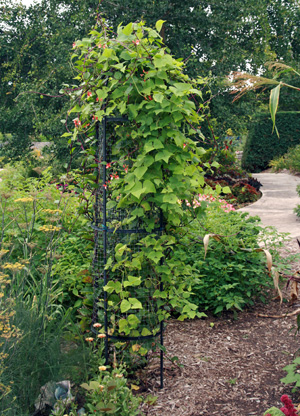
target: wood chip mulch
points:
(232, 367)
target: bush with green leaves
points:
(228, 264)
(46, 350)
(263, 144)
(153, 163)
(39, 226)
(45, 243)
(109, 393)
(290, 160)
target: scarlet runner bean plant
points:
(154, 164)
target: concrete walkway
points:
(277, 203)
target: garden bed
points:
(231, 367)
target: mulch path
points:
(232, 367)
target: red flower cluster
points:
(288, 409)
(77, 122)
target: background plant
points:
(229, 273)
(37, 219)
(154, 159)
(290, 160)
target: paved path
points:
(278, 201)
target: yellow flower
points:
(102, 368)
(3, 252)
(52, 211)
(49, 228)
(28, 199)
(118, 375)
(13, 266)
(89, 339)
(101, 335)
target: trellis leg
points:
(106, 243)
(104, 235)
(161, 288)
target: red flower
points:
(108, 165)
(89, 94)
(288, 409)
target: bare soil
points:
(232, 367)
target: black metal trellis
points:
(107, 236)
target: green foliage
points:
(273, 411)
(45, 243)
(293, 376)
(233, 273)
(41, 281)
(108, 394)
(41, 354)
(154, 163)
(35, 41)
(244, 193)
(290, 160)
(262, 145)
(34, 63)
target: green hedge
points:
(262, 146)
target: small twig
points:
(296, 312)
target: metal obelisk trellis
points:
(107, 236)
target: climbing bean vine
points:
(155, 162)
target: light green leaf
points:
(146, 332)
(164, 155)
(137, 190)
(132, 281)
(170, 198)
(274, 411)
(135, 303)
(133, 321)
(101, 94)
(159, 24)
(226, 190)
(140, 172)
(274, 100)
(107, 53)
(125, 306)
(148, 187)
(75, 109)
(158, 97)
(128, 29)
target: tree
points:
(218, 37)
(35, 48)
(214, 37)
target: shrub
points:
(244, 193)
(233, 274)
(37, 357)
(39, 227)
(290, 161)
(262, 145)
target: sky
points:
(27, 2)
